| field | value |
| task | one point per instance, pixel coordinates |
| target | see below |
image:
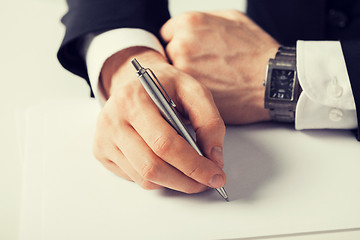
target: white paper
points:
(280, 181)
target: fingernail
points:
(217, 156)
(217, 181)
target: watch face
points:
(282, 82)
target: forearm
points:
(97, 16)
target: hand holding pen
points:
(167, 107)
(134, 141)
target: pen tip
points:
(223, 193)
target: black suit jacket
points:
(286, 20)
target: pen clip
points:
(170, 101)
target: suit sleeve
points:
(95, 16)
(351, 50)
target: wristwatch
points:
(282, 87)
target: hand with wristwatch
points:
(228, 53)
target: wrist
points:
(263, 114)
(117, 69)
(248, 90)
(269, 54)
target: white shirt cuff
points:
(108, 43)
(327, 100)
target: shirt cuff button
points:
(334, 90)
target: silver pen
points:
(167, 108)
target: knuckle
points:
(130, 99)
(235, 13)
(122, 96)
(180, 49)
(150, 171)
(127, 97)
(147, 185)
(184, 47)
(218, 124)
(162, 145)
(104, 121)
(107, 163)
(192, 18)
(181, 64)
(195, 172)
(201, 90)
(173, 50)
(97, 151)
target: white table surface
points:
(31, 34)
(275, 187)
(30, 74)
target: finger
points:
(112, 167)
(179, 24)
(122, 163)
(151, 168)
(167, 30)
(101, 149)
(175, 150)
(205, 118)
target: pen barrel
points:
(168, 112)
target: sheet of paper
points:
(280, 181)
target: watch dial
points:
(282, 82)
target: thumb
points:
(210, 138)
(198, 104)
